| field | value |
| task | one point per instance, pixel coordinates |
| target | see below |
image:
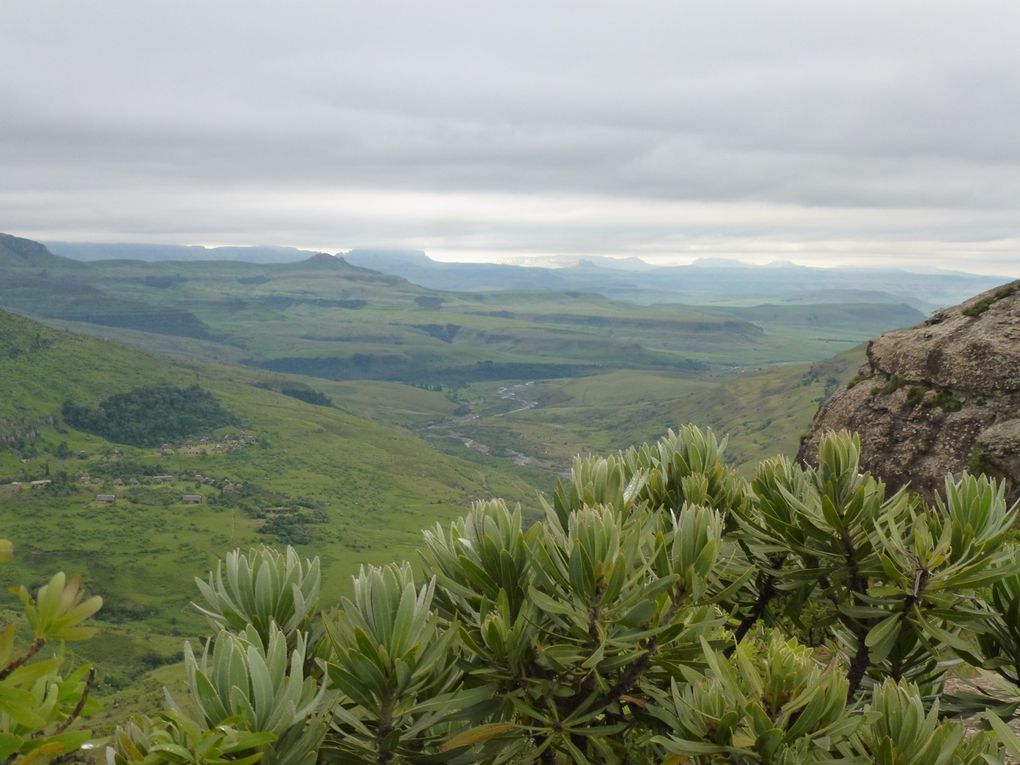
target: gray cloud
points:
(837, 132)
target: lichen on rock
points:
(936, 398)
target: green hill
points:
(349, 489)
(326, 318)
(844, 318)
(35, 281)
(17, 253)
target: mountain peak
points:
(324, 259)
(718, 263)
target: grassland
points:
(607, 373)
(367, 488)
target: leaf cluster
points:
(41, 700)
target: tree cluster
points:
(150, 416)
(306, 394)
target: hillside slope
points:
(350, 465)
(35, 281)
(763, 412)
(339, 486)
(25, 254)
(87, 251)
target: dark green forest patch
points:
(151, 415)
(300, 391)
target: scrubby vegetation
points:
(945, 400)
(306, 394)
(299, 391)
(150, 416)
(893, 384)
(858, 378)
(985, 303)
(40, 702)
(917, 395)
(654, 615)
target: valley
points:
(357, 409)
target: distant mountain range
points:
(706, 281)
(153, 252)
(727, 282)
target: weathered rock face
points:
(938, 398)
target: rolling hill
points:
(605, 373)
(763, 412)
(120, 251)
(286, 470)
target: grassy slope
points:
(379, 485)
(326, 318)
(304, 311)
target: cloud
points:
(844, 131)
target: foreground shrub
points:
(770, 702)
(900, 729)
(173, 738)
(650, 617)
(40, 705)
(260, 589)
(394, 666)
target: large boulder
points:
(938, 398)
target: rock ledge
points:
(937, 398)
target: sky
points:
(823, 132)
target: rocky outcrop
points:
(938, 398)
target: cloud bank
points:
(837, 132)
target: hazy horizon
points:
(532, 260)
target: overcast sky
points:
(821, 131)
